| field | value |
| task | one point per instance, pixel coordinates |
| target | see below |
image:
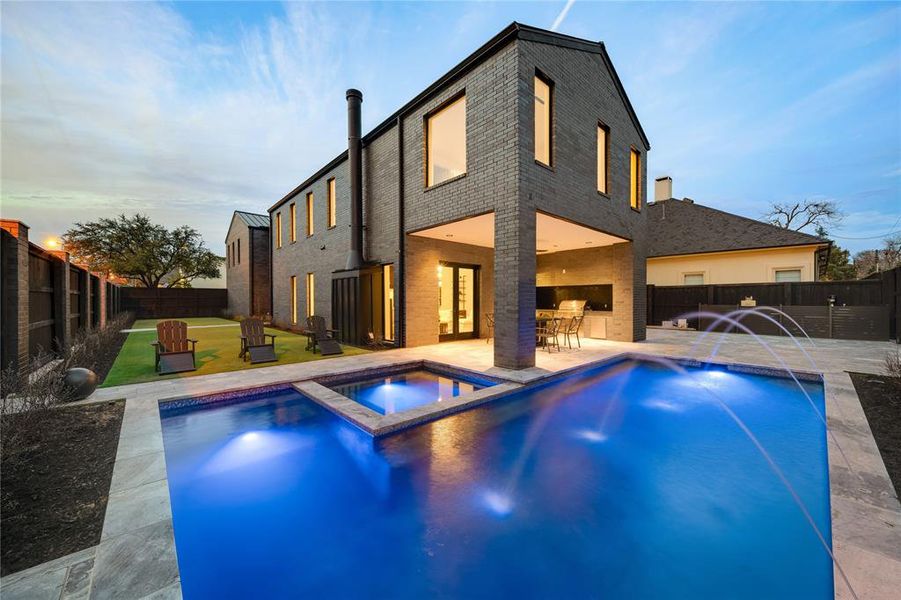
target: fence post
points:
(787, 293)
(15, 295)
(649, 308)
(61, 300)
(829, 320)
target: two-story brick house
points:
(523, 166)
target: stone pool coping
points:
(136, 557)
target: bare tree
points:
(809, 213)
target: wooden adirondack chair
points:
(171, 348)
(254, 343)
(322, 337)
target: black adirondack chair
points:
(322, 337)
(171, 348)
(256, 344)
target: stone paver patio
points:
(136, 555)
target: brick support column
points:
(15, 294)
(514, 287)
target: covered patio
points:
(455, 268)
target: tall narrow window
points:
(311, 294)
(332, 212)
(309, 214)
(388, 287)
(293, 299)
(228, 255)
(602, 158)
(239, 251)
(446, 143)
(635, 180)
(278, 230)
(543, 121)
(293, 222)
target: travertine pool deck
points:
(136, 555)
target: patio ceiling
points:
(552, 233)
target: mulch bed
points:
(880, 397)
(55, 488)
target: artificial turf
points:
(217, 351)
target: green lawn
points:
(217, 351)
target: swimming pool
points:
(402, 391)
(623, 481)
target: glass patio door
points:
(458, 301)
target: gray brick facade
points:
(247, 266)
(501, 178)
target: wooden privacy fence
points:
(46, 299)
(163, 303)
(836, 322)
(862, 309)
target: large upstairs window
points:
(635, 179)
(310, 224)
(603, 141)
(446, 143)
(543, 120)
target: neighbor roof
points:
(513, 31)
(253, 219)
(683, 227)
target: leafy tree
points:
(799, 215)
(136, 248)
(839, 266)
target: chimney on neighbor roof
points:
(663, 188)
(355, 162)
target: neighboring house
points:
(523, 165)
(247, 264)
(691, 244)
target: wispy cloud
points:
(562, 16)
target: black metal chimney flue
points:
(355, 161)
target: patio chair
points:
(171, 348)
(256, 344)
(489, 319)
(322, 337)
(547, 334)
(572, 329)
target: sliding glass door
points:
(458, 301)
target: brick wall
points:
(237, 275)
(584, 94)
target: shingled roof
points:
(683, 227)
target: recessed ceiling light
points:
(448, 235)
(589, 242)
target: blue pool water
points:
(403, 391)
(624, 482)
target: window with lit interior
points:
(635, 179)
(446, 143)
(332, 216)
(543, 121)
(603, 140)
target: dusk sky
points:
(190, 111)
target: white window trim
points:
(799, 268)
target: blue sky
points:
(188, 111)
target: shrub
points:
(893, 365)
(26, 393)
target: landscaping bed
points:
(880, 397)
(55, 483)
